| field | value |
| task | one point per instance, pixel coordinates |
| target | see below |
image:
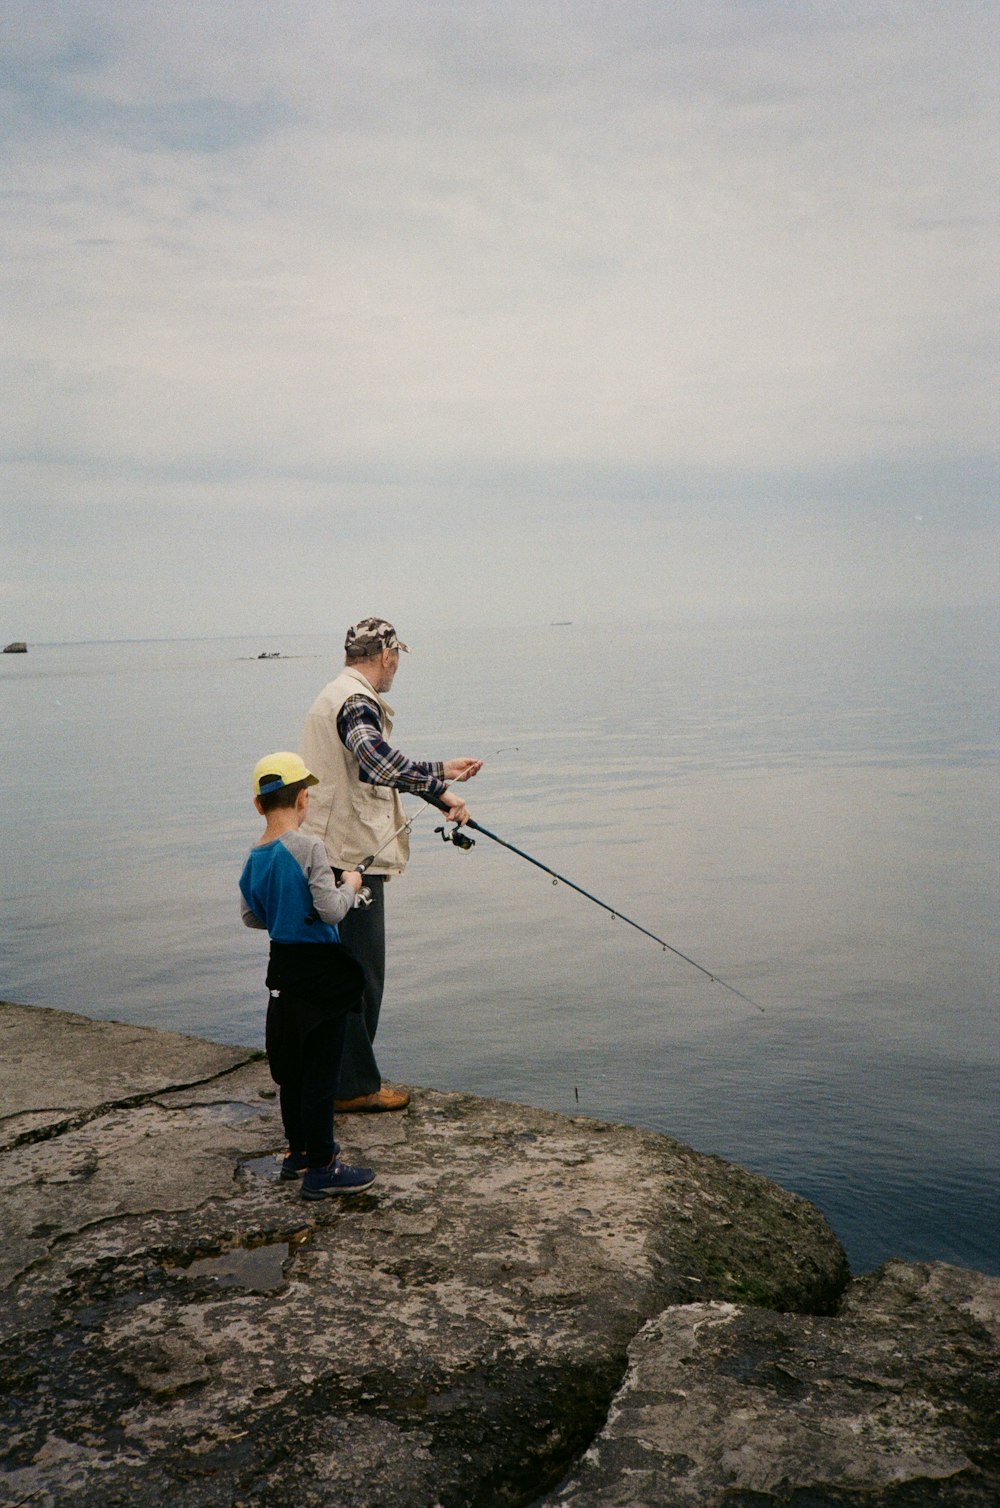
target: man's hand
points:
(461, 769)
(351, 877)
(457, 809)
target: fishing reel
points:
(363, 897)
(456, 836)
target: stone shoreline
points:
(527, 1308)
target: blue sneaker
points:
(336, 1179)
(295, 1164)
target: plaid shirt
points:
(360, 727)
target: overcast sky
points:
(531, 310)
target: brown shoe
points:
(383, 1099)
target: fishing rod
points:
(462, 840)
(363, 898)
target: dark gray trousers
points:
(363, 932)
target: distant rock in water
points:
(269, 654)
(16, 647)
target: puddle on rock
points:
(257, 1268)
(232, 1112)
(268, 1167)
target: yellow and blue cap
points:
(275, 771)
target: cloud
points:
(655, 261)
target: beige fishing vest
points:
(353, 819)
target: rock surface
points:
(893, 1401)
(177, 1326)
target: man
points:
(356, 810)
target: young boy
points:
(288, 887)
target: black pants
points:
(315, 992)
(304, 1058)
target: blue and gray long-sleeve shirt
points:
(288, 888)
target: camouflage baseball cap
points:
(372, 635)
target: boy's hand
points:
(352, 878)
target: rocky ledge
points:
(526, 1308)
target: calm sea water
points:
(809, 810)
